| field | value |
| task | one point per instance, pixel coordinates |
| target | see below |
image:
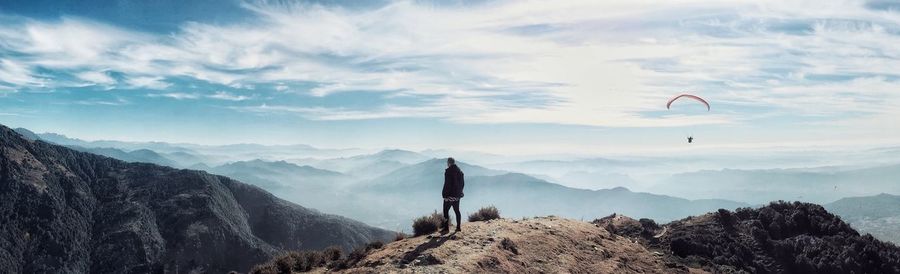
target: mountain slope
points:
(65, 211)
(878, 215)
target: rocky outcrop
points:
(778, 238)
(533, 245)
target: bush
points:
(332, 253)
(427, 224)
(399, 236)
(291, 262)
(267, 268)
(374, 245)
(305, 261)
(484, 214)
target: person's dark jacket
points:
(453, 182)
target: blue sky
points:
(500, 76)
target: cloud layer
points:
(595, 63)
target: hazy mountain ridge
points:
(367, 166)
(415, 190)
(392, 170)
(878, 215)
(820, 185)
(68, 211)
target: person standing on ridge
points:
(452, 193)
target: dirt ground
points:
(534, 245)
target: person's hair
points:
(451, 161)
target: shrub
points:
(267, 268)
(374, 245)
(307, 260)
(427, 224)
(484, 214)
(332, 253)
(399, 236)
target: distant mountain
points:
(819, 185)
(186, 154)
(186, 159)
(777, 238)
(466, 156)
(27, 134)
(878, 215)
(65, 211)
(595, 180)
(368, 166)
(136, 156)
(314, 187)
(281, 173)
(391, 201)
(427, 173)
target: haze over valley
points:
(388, 188)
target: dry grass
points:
(484, 214)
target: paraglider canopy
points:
(685, 95)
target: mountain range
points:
(817, 185)
(67, 211)
(415, 190)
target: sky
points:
(498, 76)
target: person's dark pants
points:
(447, 206)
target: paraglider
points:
(685, 95)
(690, 138)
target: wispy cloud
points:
(96, 102)
(598, 63)
(221, 95)
(175, 95)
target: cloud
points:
(221, 95)
(175, 95)
(96, 77)
(217, 95)
(148, 82)
(596, 63)
(96, 102)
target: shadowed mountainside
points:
(65, 211)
